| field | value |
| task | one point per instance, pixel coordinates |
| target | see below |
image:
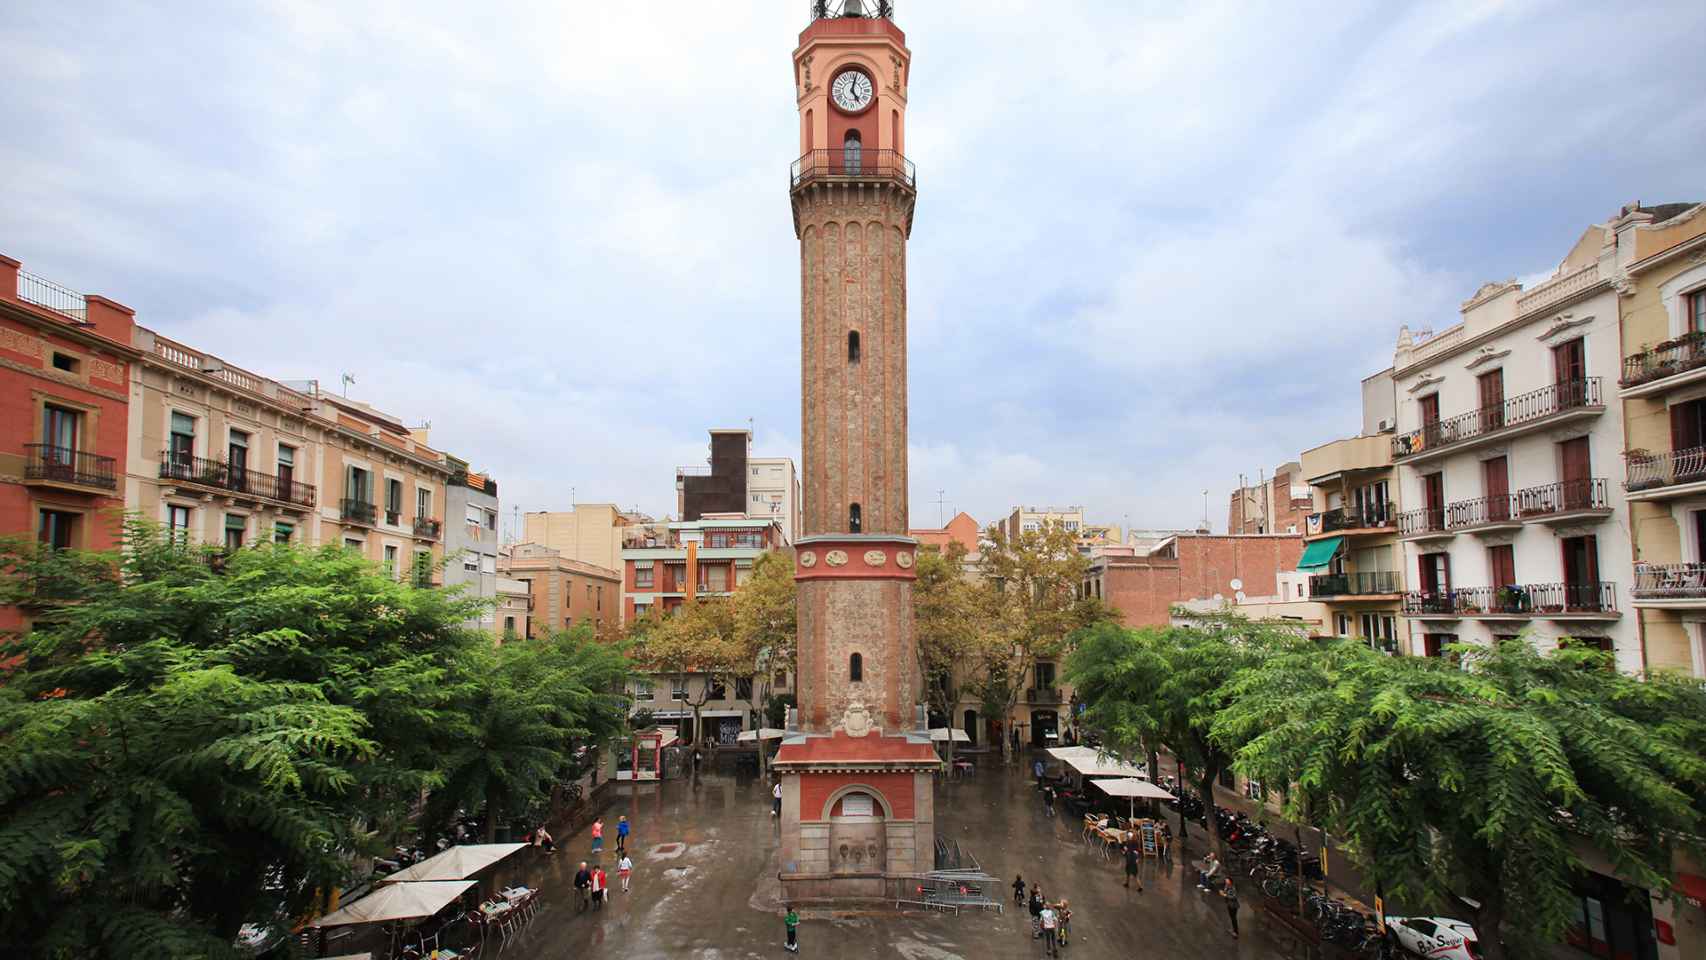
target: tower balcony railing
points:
(841, 163)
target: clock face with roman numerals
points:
(852, 90)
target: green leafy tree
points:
(191, 724)
(697, 638)
(1166, 686)
(1485, 779)
(953, 632)
(1032, 590)
(767, 627)
(527, 707)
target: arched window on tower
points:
(852, 346)
(856, 668)
(851, 148)
(854, 520)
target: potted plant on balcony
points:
(1513, 599)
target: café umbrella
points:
(455, 863)
(1133, 790)
(762, 733)
(397, 901)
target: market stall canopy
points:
(456, 863)
(762, 733)
(941, 734)
(1318, 554)
(1106, 767)
(1068, 753)
(397, 901)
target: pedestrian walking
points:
(1048, 799)
(1230, 892)
(1037, 768)
(598, 882)
(598, 836)
(624, 869)
(1063, 915)
(776, 799)
(1036, 911)
(792, 922)
(1018, 889)
(621, 834)
(1166, 844)
(583, 886)
(1048, 919)
(1131, 851)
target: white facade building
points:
(1507, 446)
(773, 493)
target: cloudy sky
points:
(1154, 248)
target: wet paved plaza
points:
(700, 853)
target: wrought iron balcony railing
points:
(1353, 584)
(225, 476)
(1352, 518)
(1646, 471)
(861, 164)
(1530, 599)
(1480, 511)
(1425, 520)
(1670, 581)
(46, 461)
(1667, 359)
(1564, 496)
(1523, 408)
(357, 511)
(427, 527)
(1043, 695)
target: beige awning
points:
(1105, 766)
(455, 863)
(1069, 753)
(941, 734)
(397, 901)
(762, 733)
(1134, 788)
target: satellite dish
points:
(1239, 596)
(1237, 584)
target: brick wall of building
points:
(1143, 589)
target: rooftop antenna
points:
(939, 498)
(347, 379)
(1205, 504)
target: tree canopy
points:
(195, 739)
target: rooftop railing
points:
(1527, 407)
(45, 293)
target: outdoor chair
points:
(477, 920)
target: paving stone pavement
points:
(698, 900)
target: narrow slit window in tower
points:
(852, 346)
(856, 668)
(853, 519)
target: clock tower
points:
(856, 768)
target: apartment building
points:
(588, 532)
(773, 490)
(1504, 442)
(1351, 551)
(65, 366)
(720, 484)
(1277, 505)
(471, 514)
(711, 556)
(1027, 519)
(389, 487)
(1662, 254)
(514, 613)
(561, 592)
(220, 455)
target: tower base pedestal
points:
(858, 814)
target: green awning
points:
(1320, 553)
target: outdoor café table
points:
(514, 893)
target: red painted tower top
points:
(850, 76)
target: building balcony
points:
(65, 468)
(839, 164)
(426, 528)
(1589, 600)
(1674, 586)
(219, 475)
(1043, 695)
(1672, 364)
(357, 511)
(1351, 521)
(1354, 586)
(1427, 523)
(1666, 475)
(1565, 501)
(1524, 413)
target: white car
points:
(1437, 938)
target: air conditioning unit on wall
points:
(1384, 426)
